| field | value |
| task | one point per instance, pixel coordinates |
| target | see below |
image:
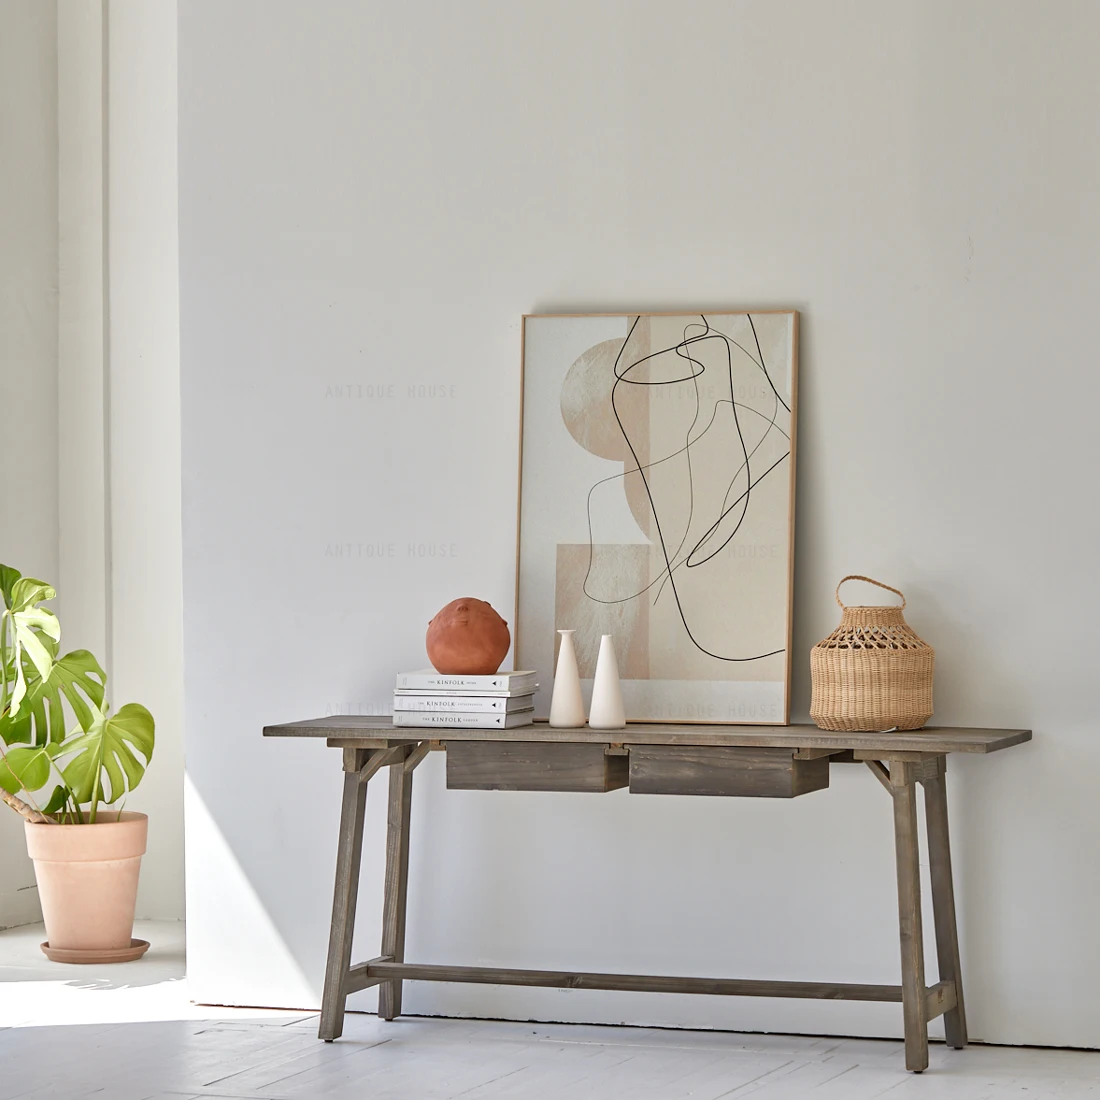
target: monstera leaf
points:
(59, 800)
(40, 719)
(76, 676)
(26, 634)
(108, 750)
(26, 768)
(8, 577)
(34, 679)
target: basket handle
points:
(869, 580)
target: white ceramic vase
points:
(567, 703)
(607, 711)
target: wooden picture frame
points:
(656, 503)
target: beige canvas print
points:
(656, 505)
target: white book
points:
(465, 721)
(452, 702)
(427, 679)
(450, 694)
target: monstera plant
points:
(65, 758)
(97, 761)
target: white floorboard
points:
(129, 1033)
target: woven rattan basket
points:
(872, 672)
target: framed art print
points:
(657, 506)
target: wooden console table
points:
(731, 761)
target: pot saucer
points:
(136, 949)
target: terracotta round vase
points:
(467, 638)
(87, 882)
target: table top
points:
(369, 730)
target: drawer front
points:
(728, 772)
(532, 766)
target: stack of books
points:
(503, 700)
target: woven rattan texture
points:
(872, 673)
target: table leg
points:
(348, 858)
(397, 884)
(903, 786)
(943, 900)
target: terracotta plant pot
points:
(87, 883)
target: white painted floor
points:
(35, 991)
(128, 1032)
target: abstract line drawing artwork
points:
(657, 505)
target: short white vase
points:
(607, 712)
(567, 703)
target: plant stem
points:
(25, 811)
(4, 657)
(95, 798)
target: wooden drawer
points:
(532, 766)
(729, 772)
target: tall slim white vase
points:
(607, 712)
(567, 703)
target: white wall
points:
(28, 341)
(372, 194)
